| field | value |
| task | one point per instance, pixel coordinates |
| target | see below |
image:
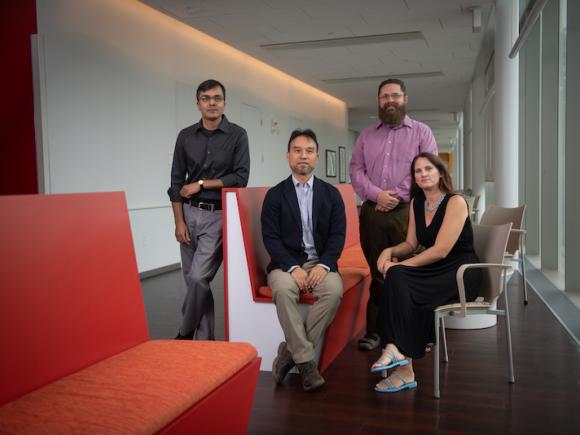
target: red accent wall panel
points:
(17, 141)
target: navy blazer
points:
(282, 226)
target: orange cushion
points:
(140, 390)
(265, 291)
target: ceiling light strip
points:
(353, 40)
(422, 75)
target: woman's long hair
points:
(445, 183)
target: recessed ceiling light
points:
(352, 40)
(422, 75)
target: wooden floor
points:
(475, 394)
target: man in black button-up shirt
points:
(208, 155)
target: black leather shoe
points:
(184, 337)
(282, 364)
(369, 342)
(311, 378)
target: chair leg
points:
(444, 336)
(524, 282)
(508, 332)
(436, 358)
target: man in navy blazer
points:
(303, 228)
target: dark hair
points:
(445, 183)
(306, 133)
(207, 85)
(399, 82)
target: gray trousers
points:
(303, 336)
(200, 261)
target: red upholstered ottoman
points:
(143, 390)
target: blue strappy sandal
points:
(391, 387)
(394, 362)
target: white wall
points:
(117, 82)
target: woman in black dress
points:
(413, 288)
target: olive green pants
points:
(301, 335)
(380, 230)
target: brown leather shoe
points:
(282, 364)
(311, 378)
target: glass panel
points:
(562, 137)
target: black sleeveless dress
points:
(410, 294)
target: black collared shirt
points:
(201, 154)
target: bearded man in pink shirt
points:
(380, 175)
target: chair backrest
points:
(472, 202)
(490, 243)
(351, 211)
(71, 294)
(475, 202)
(495, 215)
(250, 202)
(250, 208)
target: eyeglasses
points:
(395, 96)
(208, 98)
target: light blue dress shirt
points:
(305, 193)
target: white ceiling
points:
(448, 47)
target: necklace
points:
(437, 204)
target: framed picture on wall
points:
(341, 164)
(330, 163)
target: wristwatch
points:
(200, 182)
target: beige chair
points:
(472, 202)
(490, 243)
(515, 251)
(474, 211)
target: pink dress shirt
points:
(382, 158)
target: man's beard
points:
(394, 117)
(303, 170)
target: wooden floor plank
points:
(475, 395)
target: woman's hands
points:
(385, 260)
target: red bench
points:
(73, 333)
(242, 226)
